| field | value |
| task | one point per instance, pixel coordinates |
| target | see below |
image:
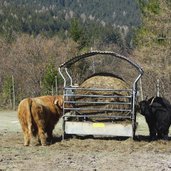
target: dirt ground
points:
(78, 154)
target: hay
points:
(103, 81)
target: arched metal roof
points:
(92, 53)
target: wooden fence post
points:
(56, 85)
(13, 93)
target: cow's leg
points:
(41, 132)
(163, 134)
(34, 136)
(25, 129)
(152, 136)
(152, 131)
(50, 133)
(38, 114)
(162, 128)
(42, 137)
(40, 126)
(26, 136)
(26, 140)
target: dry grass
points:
(104, 82)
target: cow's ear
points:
(59, 102)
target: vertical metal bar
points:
(63, 127)
(59, 69)
(133, 103)
(141, 90)
(66, 70)
(63, 116)
(63, 122)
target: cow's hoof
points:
(44, 143)
(26, 143)
(152, 138)
(49, 143)
(165, 138)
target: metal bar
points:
(97, 89)
(59, 69)
(134, 91)
(92, 53)
(88, 102)
(81, 95)
(110, 117)
(99, 109)
(66, 70)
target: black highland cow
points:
(157, 112)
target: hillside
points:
(111, 21)
(115, 12)
(37, 36)
(154, 47)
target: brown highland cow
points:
(38, 117)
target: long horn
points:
(152, 101)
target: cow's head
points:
(59, 101)
(145, 108)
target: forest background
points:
(36, 36)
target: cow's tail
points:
(30, 117)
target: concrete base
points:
(98, 129)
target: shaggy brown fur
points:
(38, 117)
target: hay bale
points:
(103, 81)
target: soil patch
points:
(83, 154)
